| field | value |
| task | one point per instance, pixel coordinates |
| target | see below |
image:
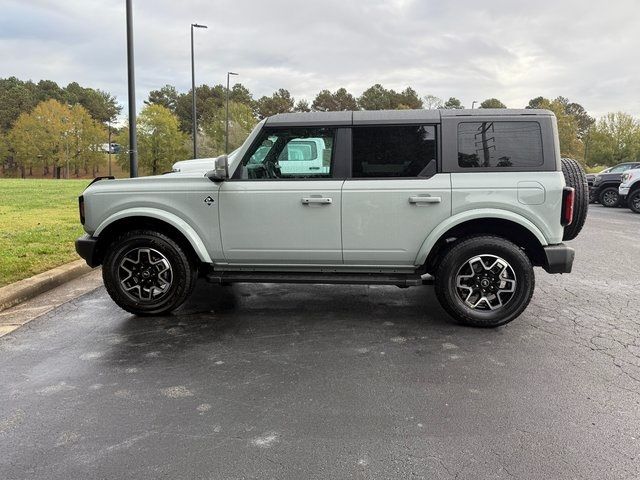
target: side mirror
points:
(221, 171)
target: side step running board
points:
(400, 280)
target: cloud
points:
(472, 50)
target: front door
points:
(395, 197)
(283, 205)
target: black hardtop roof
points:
(392, 117)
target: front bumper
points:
(558, 258)
(86, 248)
(623, 191)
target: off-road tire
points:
(605, 195)
(633, 201)
(575, 177)
(184, 272)
(458, 255)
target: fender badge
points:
(209, 201)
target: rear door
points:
(395, 196)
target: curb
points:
(22, 290)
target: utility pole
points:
(226, 128)
(133, 141)
(194, 117)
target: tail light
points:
(568, 200)
(81, 208)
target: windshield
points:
(236, 155)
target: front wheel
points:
(484, 281)
(147, 273)
(609, 197)
(633, 201)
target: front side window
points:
(499, 144)
(394, 151)
(290, 153)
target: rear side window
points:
(499, 144)
(398, 151)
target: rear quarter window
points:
(499, 144)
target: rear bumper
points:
(558, 258)
(86, 248)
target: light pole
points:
(109, 145)
(226, 128)
(193, 92)
(473, 104)
(133, 152)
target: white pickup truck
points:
(470, 200)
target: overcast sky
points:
(470, 49)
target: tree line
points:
(45, 126)
(48, 128)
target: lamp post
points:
(473, 104)
(109, 145)
(226, 128)
(133, 152)
(193, 92)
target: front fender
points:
(173, 220)
(484, 213)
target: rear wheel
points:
(575, 177)
(148, 273)
(484, 281)
(609, 197)
(633, 201)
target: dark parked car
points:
(590, 179)
(604, 188)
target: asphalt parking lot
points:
(295, 381)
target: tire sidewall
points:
(522, 268)
(630, 201)
(575, 177)
(181, 271)
(602, 194)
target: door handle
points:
(424, 199)
(320, 200)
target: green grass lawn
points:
(38, 224)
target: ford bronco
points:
(469, 200)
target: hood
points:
(200, 165)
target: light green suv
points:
(470, 200)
